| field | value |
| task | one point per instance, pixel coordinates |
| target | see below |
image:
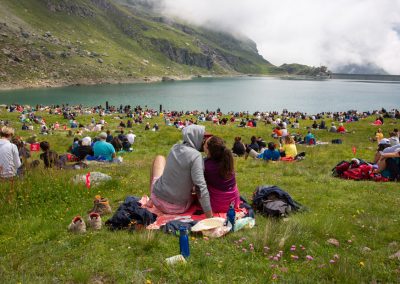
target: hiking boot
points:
(77, 225)
(101, 206)
(95, 221)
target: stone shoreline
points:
(88, 82)
(111, 81)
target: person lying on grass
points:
(172, 180)
(219, 173)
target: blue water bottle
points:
(231, 215)
(184, 242)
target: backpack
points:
(361, 172)
(337, 141)
(272, 201)
(340, 168)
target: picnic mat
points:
(192, 214)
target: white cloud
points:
(310, 32)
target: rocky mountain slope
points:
(65, 42)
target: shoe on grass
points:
(101, 206)
(77, 225)
(95, 221)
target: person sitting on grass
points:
(103, 149)
(173, 180)
(9, 156)
(389, 163)
(252, 149)
(289, 148)
(309, 139)
(84, 149)
(220, 175)
(341, 128)
(333, 128)
(383, 144)
(49, 157)
(394, 139)
(378, 135)
(238, 147)
(270, 154)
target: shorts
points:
(165, 206)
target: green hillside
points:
(63, 42)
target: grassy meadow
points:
(35, 246)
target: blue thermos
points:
(184, 242)
(231, 215)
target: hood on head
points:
(193, 135)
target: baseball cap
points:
(384, 141)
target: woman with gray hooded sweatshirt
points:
(173, 180)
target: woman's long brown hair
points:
(220, 153)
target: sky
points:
(312, 32)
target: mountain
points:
(368, 68)
(64, 42)
(299, 69)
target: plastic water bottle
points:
(231, 215)
(184, 242)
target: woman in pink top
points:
(220, 175)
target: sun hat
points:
(86, 141)
(208, 224)
(384, 141)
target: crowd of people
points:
(175, 180)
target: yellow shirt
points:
(379, 136)
(290, 150)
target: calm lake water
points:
(229, 94)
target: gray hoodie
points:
(184, 169)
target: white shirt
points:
(131, 137)
(9, 159)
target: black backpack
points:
(272, 201)
(337, 141)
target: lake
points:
(229, 94)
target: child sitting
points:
(271, 154)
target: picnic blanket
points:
(194, 213)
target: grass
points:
(35, 246)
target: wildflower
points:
(293, 248)
(275, 258)
(274, 277)
(244, 250)
(336, 256)
(362, 264)
(294, 257)
(332, 261)
(205, 238)
(309, 257)
(208, 254)
(266, 249)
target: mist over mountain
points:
(331, 33)
(360, 69)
